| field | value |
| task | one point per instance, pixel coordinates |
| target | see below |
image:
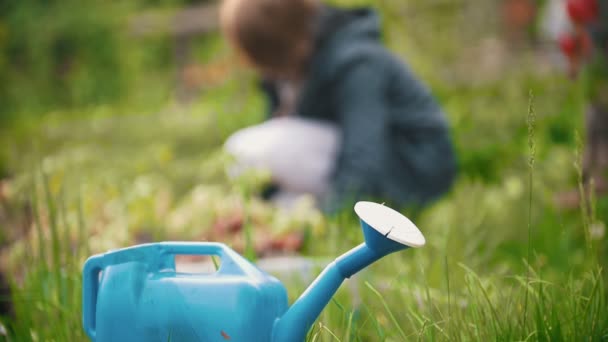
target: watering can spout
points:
(385, 231)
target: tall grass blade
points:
(388, 310)
(531, 120)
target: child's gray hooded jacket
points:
(395, 140)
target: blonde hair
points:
(275, 36)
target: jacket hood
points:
(340, 34)
(340, 25)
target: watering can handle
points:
(231, 262)
(90, 274)
(193, 248)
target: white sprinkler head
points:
(390, 223)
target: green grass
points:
(470, 282)
(501, 262)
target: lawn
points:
(119, 161)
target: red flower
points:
(576, 47)
(582, 11)
(569, 45)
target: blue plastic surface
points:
(135, 294)
(296, 322)
(140, 297)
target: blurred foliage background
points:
(73, 58)
(112, 117)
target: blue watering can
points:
(135, 294)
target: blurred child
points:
(348, 119)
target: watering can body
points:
(135, 294)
